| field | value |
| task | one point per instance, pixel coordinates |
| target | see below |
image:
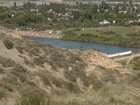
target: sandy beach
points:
(38, 34)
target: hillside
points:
(64, 77)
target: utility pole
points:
(83, 27)
(109, 28)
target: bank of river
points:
(108, 49)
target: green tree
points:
(4, 15)
(15, 5)
(76, 15)
(95, 7)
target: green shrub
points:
(6, 62)
(77, 29)
(8, 44)
(20, 49)
(69, 33)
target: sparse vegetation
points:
(59, 77)
(6, 62)
(136, 51)
(123, 62)
(135, 63)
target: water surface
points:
(108, 49)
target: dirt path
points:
(128, 58)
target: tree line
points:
(59, 16)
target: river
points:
(108, 49)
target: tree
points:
(15, 5)
(95, 8)
(76, 15)
(4, 15)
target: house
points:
(122, 12)
(113, 21)
(104, 22)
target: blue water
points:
(108, 49)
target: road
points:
(128, 58)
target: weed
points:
(34, 99)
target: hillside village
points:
(75, 14)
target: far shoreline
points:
(39, 36)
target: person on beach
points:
(81, 48)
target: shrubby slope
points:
(60, 76)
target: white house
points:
(104, 22)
